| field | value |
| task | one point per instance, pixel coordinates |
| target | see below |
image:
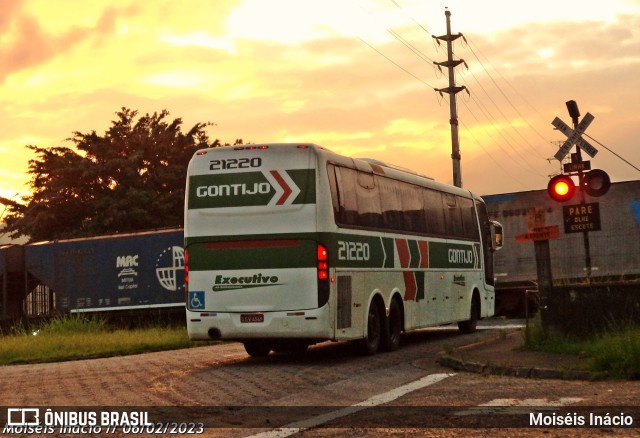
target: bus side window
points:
(369, 210)
(346, 179)
(390, 203)
(413, 210)
(453, 218)
(335, 199)
(434, 214)
(469, 222)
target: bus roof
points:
(363, 164)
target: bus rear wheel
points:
(393, 332)
(257, 348)
(371, 343)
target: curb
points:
(446, 360)
(515, 371)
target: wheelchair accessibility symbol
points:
(196, 300)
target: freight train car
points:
(146, 270)
(128, 272)
(614, 248)
(11, 281)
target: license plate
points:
(252, 317)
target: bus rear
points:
(257, 271)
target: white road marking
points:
(376, 400)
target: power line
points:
(487, 113)
(509, 141)
(497, 163)
(611, 151)
(395, 63)
(507, 98)
(495, 123)
(410, 46)
(412, 19)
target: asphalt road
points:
(327, 391)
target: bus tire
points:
(469, 326)
(371, 342)
(257, 348)
(393, 327)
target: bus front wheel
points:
(470, 325)
(371, 342)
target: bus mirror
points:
(497, 236)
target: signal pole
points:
(574, 113)
(452, 90)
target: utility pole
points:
(452, 90)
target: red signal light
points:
(561, 188)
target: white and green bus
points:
(288, 245)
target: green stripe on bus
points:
(358, 251)
(387, 243)
(415, 253)
(447, 255)
(248, 189)
(420, 283)
(204, 257)
(305, 179)
(345, 251)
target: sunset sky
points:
(354, 76)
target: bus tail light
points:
(323, 254)
(323, 275)
(323, 264)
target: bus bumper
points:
(311, 324)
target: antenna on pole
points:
(452, 90)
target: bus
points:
(288, 245)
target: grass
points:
(616, 351)
(79, 337)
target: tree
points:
(130, 179)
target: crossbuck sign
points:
(574, 137)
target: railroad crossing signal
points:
(574, 137)
(594, 182)
(583, 217)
